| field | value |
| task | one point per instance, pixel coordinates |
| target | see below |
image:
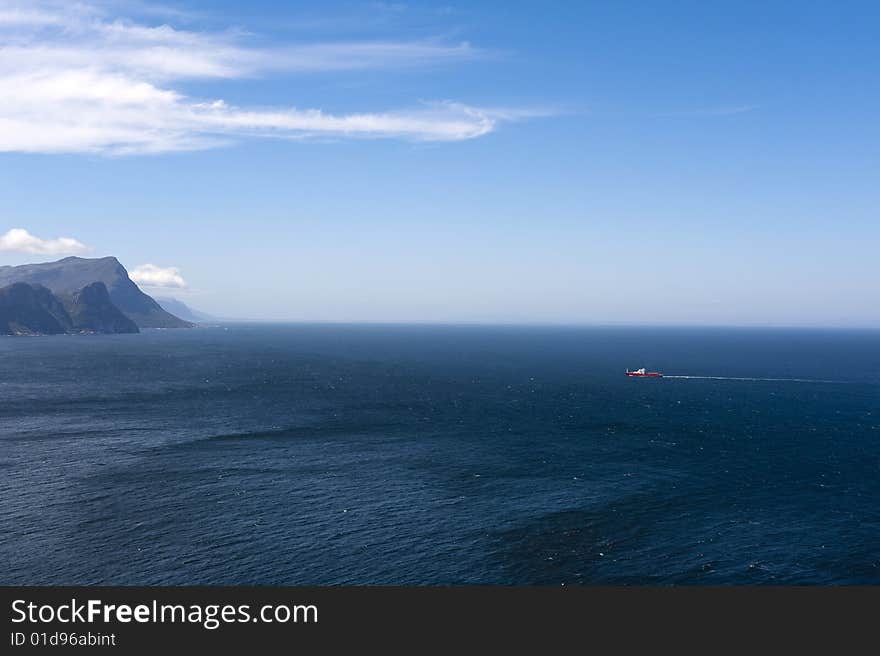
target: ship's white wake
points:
(752, 379)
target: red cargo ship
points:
(641, 373)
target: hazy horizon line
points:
(532, 324)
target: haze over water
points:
(368, 454)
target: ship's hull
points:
(647, 375)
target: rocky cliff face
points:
(34, 310)
(91, 310)
(31, 310)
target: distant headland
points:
(77, 295)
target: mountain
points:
(182, 310)
(31, 310)
(34, 310)
(70, 275)
(91, 310)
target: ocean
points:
(425, 455)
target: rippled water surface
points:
(329, 454)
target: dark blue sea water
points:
(343, 454)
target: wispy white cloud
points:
(21, 241)
(151, 275)
(74, 78)
(23, 16)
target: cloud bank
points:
(151, 275)
(21, 241)
(75, 79)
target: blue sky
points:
(595, 162)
